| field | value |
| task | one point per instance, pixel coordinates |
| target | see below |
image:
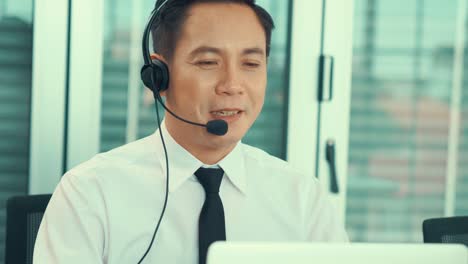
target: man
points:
(105, 210)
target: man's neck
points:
(207, 154)
(210, 156)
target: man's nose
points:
(231, 81)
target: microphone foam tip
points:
(217, 127)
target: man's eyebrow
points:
(257, 51)
(204, 49)
(208, 49)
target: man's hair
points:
(167, 27)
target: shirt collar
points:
(182, 164)
(234, 167)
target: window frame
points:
(48, 103)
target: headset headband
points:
(146, 34)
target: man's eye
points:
(252, 64)
(207, 63)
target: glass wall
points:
(127, 107)
(16, 34)
(461, 194)
(400, 118)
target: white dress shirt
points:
(106, 209)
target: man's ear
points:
(157, 56)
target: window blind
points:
(114, 103)
(401, 87)
(461, 197)
(15, 101)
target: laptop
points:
(330, 253)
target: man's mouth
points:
(225, 113)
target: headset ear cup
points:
(161, 75)
(146, 72)
(155, 76)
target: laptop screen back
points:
(328, 253)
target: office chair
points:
(24, 215)
(446, 230)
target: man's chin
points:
(227, 140)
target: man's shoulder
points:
(117, 160)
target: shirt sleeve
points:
(322, 223)
(73, 227)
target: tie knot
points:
(210, 179)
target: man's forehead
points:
(214, 27)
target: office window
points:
(461, 195)
(127, 107)
(401, 98)
(16, 31)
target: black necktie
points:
(211, 226)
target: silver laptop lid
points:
(329, 253)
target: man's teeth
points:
(225, 113)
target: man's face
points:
(218, 71)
